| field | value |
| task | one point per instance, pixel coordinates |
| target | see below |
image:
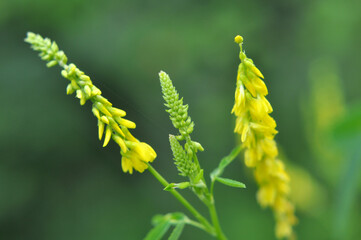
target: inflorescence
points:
(135, 154)
(257, 130)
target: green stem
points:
(182, 200)
(215, 221)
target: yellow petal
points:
(127, 165)
(145, 152)
(139, 165)
(257, 71)
(266, 195)
(120, 142)
(245, 132)
(108, 134)
(117, 112)
(104, 119)
(96, 112)
(115, 127)
(100, 129)
(126, 123)
(102, 108)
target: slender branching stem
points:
(207, 226)
(215, 221)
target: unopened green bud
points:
(51, 63)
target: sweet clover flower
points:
(135, 154)
(257, 130)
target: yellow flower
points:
(257, 130)
(137, 157)
(110, 119)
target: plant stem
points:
(215, 221)
(208, 227)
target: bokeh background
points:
(57, 182)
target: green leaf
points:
(158, 231)
(199, 176)
(231, 182)
(181, 185)
(177, 231)
(169, 187)
(225, 162)
(177, 217)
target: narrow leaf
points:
(177, 231)
(225, 162)
(158, 231)
(231, 182)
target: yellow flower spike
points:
(101, 126)
(117, 127)
(108, 134)
(257, 129)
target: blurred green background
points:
(57, 182)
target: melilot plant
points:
(253, 123)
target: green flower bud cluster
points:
(135, 154)
(177, 111)
(186, 168)
(185, 157)
(49, 51)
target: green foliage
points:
(162, 223)
(230, 182)
(216, 173)
(159, 230)
(225, 162)
(177, 231)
